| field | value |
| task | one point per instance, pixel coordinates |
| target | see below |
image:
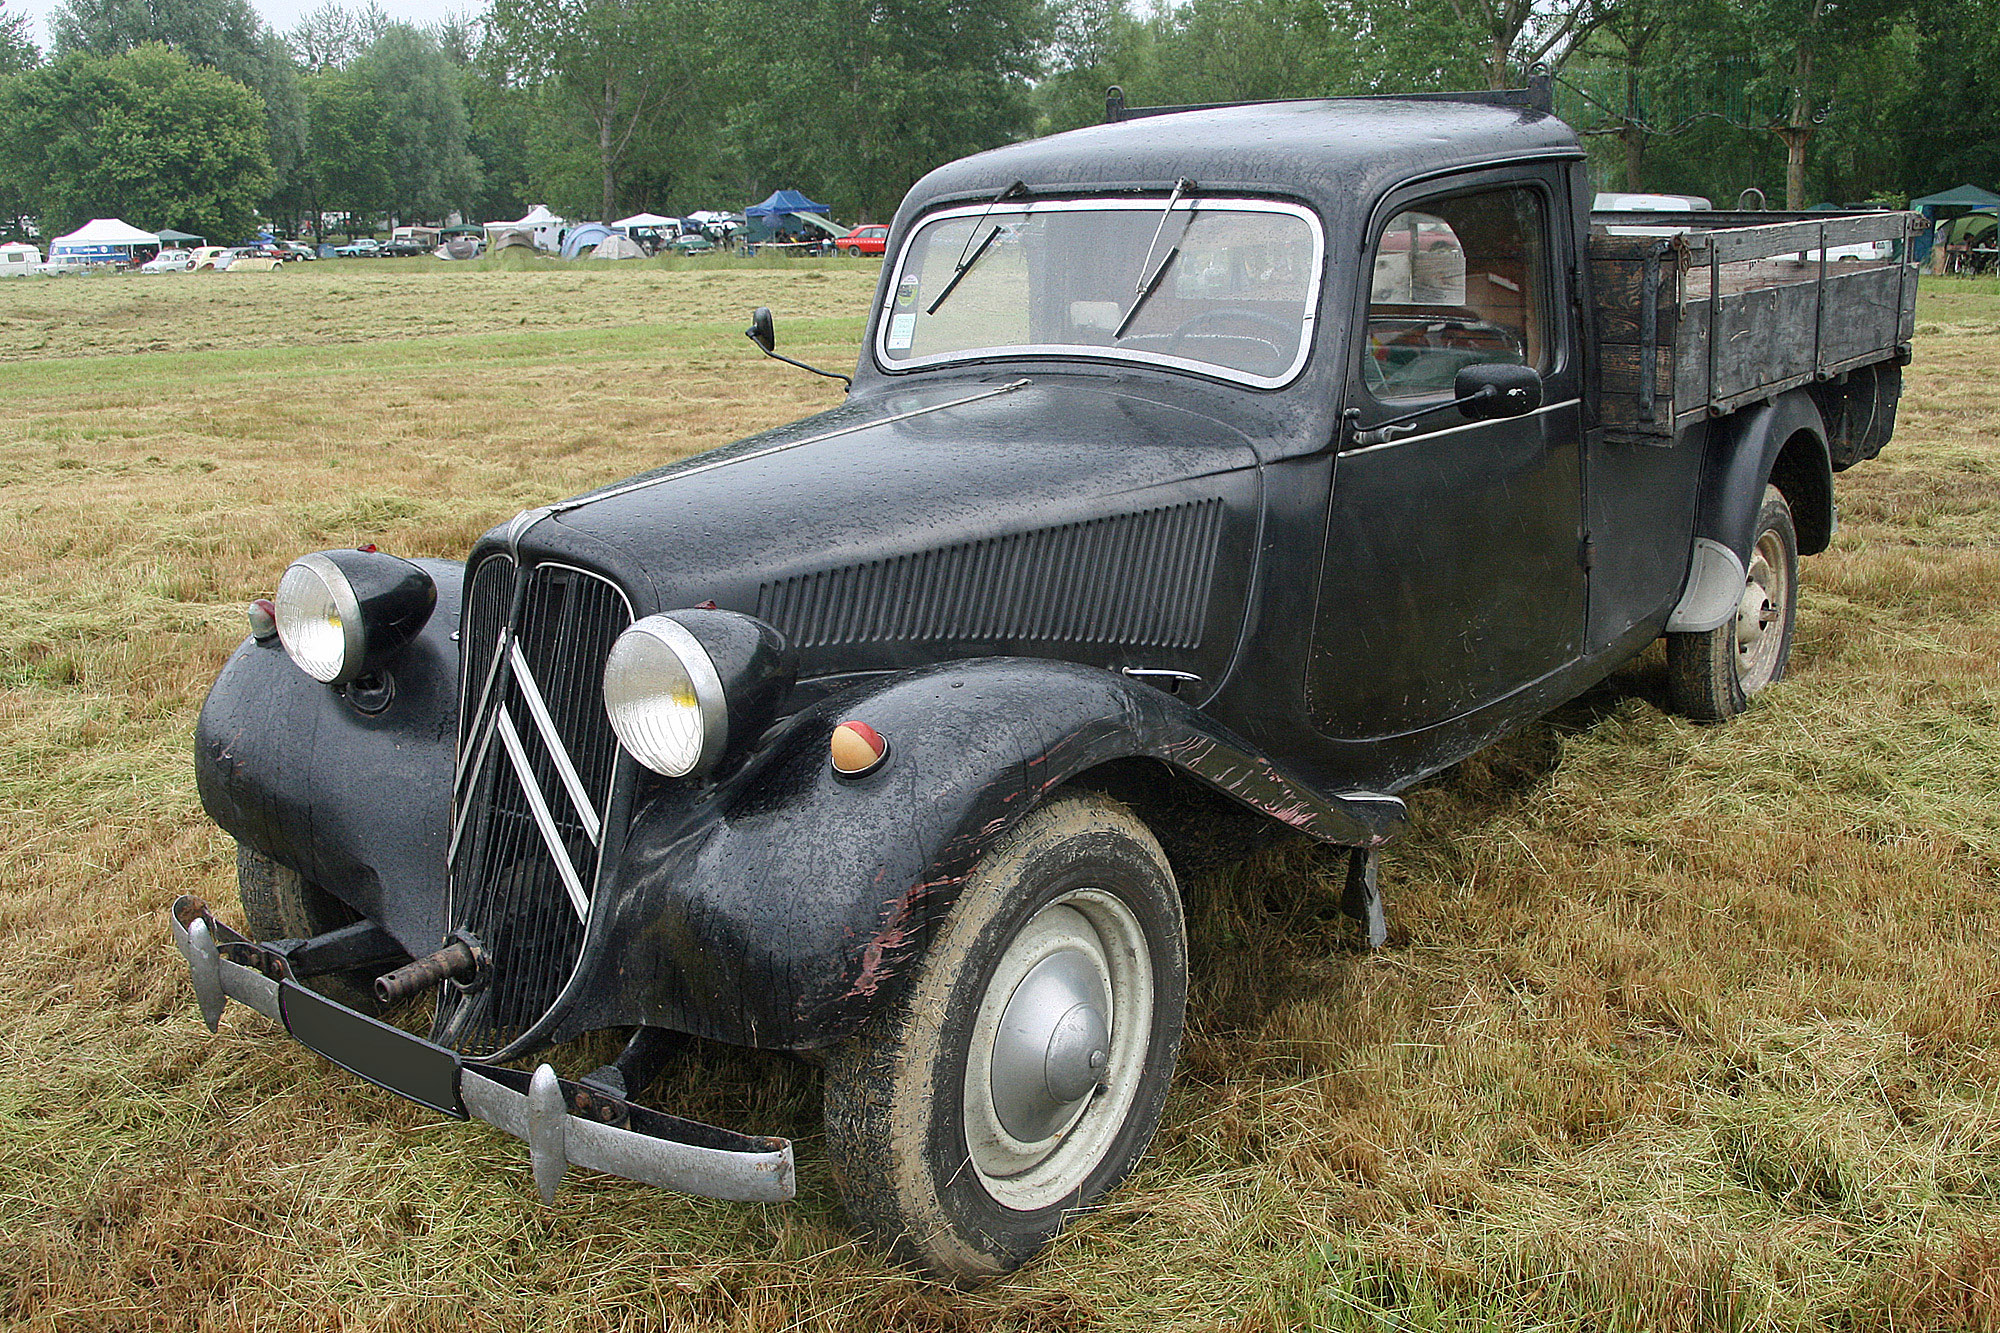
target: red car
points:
(863, 241)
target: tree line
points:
(194, 114)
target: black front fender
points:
(357, 803)
(788, 914)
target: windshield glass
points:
(1223, 286)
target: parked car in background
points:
(298, 250)
(250, 259)
(212, 257)
(365, 248)
(862, 241)
(404, 247)
(169, 261)
(694, 243)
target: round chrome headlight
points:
(319, 619)
(343, 613)
(665, 698)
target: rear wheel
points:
(1711, 675)
(1023, 1072)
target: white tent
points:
(542, 226)
(644, 220)
(102, 241)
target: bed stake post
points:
(1363, 897)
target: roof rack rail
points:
(1539, 95)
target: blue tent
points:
(785, 201)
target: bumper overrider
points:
(564, 1123)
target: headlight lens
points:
(342, 614)
(665, 698)
(319, 619)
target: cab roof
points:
(1338, 154)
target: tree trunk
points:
(1633, 134)
(606, 154)
(1798, 132)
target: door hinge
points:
(1586, 551)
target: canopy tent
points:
(181, 240)
(784, 201)
(782, 210)
(104, 241)
(1946, 205)
(644, 222)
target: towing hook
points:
(459, 958)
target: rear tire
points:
(1023, 1071)
(1713, 674)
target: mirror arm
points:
(751, 334)
(1394, 427)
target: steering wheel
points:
(1278, 358)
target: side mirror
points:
(761, 330)
(1486, 392)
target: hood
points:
(963, 519)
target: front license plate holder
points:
(386, 1056)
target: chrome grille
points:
(536, 771)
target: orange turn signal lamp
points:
(858, 749)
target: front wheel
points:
(281, 904)
(1022, 1074)
(1712, 674)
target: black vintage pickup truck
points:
(1258, 458)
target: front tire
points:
(281, 904)
(1712, 674)
(1023, 1072)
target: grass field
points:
(1678, 1028)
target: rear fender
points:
(791, 913)
(357, 803)
(1780, 443)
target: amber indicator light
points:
(857, 749)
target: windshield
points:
(1223, 286)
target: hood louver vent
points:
(1137, 580)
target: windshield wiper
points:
(1150, 283)
(968, 254)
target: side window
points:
(1461, 281)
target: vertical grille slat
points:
(506, 888)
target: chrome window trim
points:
(1308, 319)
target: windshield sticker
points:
(902, 330)
(906, 294)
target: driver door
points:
(1453, 575)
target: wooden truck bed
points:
(1733, 308)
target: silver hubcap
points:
(1760, 630)
(1057, 1050)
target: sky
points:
(282, 15)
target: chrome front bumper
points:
(565, 1124)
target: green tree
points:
(620, 70)
(222, 34)
(145, 135)
(17, 49)
(430, 170)
(852, 100)
(347, 150)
